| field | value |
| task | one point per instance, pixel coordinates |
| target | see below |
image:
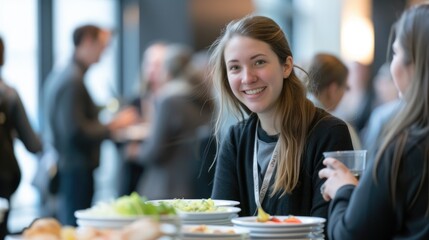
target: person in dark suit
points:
(14, 123)
(73, 120)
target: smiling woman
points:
(249, 60)
(271, 158)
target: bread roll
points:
(43, 228)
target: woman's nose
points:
(249, 76)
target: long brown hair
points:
(293, 109)
(412, 33)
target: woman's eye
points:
(233, 68)
(259, 62)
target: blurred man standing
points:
(73, 119)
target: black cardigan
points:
(234, 174)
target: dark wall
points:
(384, 14)
(143, 22)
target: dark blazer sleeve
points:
(22, 125)
(368, 211)
(226, 179)
(329, 134)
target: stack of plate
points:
(217, 202)
(86, 218)
(309, 228)
(191, 232)
(169, 225)
(222, 216)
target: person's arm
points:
(365, 211)
(329, 135)
(226, 179)
(22, 125)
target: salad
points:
(203, 205)
(131, 205)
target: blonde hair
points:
(293, 109)
(412, 33)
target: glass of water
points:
(355, 160)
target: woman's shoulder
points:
(245, 124)
(9, 92)
(325, 120)
(417, 144)
(244, 128)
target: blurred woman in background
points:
(391, 200)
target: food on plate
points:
(203, 205)
(51, 229)
(144, 229)
(292, 219)
(132, 205)
(267, 218)
(205, 229)
(262, 215)
(68, 233)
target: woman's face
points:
(402, 73)
(255, 74)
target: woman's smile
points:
(254, 91)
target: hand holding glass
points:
(355, 160)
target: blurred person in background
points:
(272, 157)
(385, 90)
(170, 153)
(358, 102)
(151, 81)
(14, 124)
(391, 200)
(327, 84)
(73, 119)
(389, 104)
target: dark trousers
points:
(75, 193)
(7, 187)
(129, 177)
(3, 226)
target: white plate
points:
(13, 237)
(89, 215)
(250, 222)
(289, 238)
(222, 223)
(209, 221)
(226, 213)
(136, 132)
(285, 230)
(186, 232)
(87, 218)
(217, 202)
(317, 234)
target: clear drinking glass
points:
(355, 160)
